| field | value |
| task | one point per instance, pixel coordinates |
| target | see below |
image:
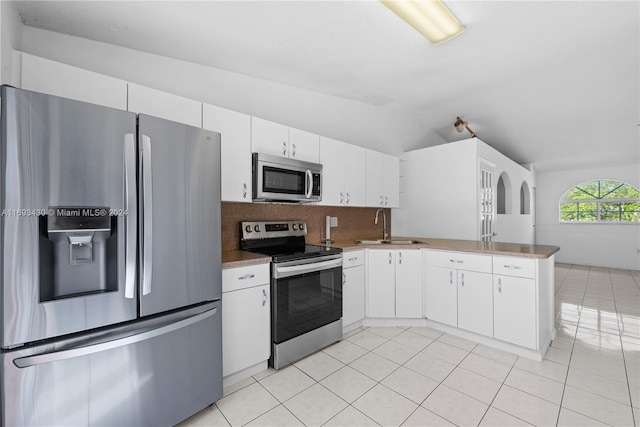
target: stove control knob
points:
(248, 229)
(295, 227)
(301, 227)
(257, 228)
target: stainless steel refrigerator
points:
(111, 265)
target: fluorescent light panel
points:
(431, 18)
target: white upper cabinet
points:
(304, 145)
(164, 105)
(383, 180)
(235, 130)
(58, 79)
(343, 173)
(280, 140)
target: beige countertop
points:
(237, 258)
(495, 248)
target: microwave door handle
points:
(308, 184)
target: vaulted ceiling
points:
(554, 84)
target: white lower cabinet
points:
(246, 318)
(353, 284)
(458, 290)
(514, 310)
(394, 284)
(475, 302)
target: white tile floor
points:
(421, 377)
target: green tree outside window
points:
(601, 201)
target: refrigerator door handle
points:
(147, 227)
(131, 214)
(103, 344)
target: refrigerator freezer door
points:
(155, 372)
(58, 278)
(180, 215)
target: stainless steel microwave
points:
(287, 180)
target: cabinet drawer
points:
(460, 260)
(234, 279)
(513, 266)
(352, 258)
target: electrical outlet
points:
(334, 221)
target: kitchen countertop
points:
(237, 258)
(493, 248)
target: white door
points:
(235, 131)
(409, 284)
(475, 302)
(353, 295)
(333, 171)
(381, 293)
(487, 206)
(514, 305)
(246, 328)
(164, 105)
(304, 145)
(441, 296)
(269, 137)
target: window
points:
(503, 194)
(525, 199)
(601, 201)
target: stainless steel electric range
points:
(306, 288)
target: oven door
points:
(306, 294)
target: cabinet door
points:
(353, 295)
(354, 175)
(475, 302)
(304, 145)
(514, 310)
(246, 328)
(235, 129)
(381, 292)
(269, 137)
(164, 105)
(333, 171)
(409, 284)
(58, 79)
(375, 178)
(441, 296)
(391, 181)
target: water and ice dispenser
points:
(78, 252)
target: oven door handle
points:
(311, 267)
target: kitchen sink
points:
(387, 242)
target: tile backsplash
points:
(353, 223)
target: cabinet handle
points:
(499, 285)
(390, 256)
(244, 190)
(355, 258)
(381, 200)
(344, 279)
(386, 200)
(348, 198)
(284, 148)
(293, 150)
(264, 297)
(462, 279)
(247, 276)
(341, 198)
(457, 261)
(399, 257)
(514, 267)
(451, 277)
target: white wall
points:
(614, 245)
(323, 114)
(10, 40)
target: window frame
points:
(598, 204)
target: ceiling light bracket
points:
(461, 125)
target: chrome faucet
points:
(384, 223)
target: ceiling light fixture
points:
(461, 125)
(431, 18)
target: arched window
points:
(525, 199)
(503, 190)
(601, 201)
